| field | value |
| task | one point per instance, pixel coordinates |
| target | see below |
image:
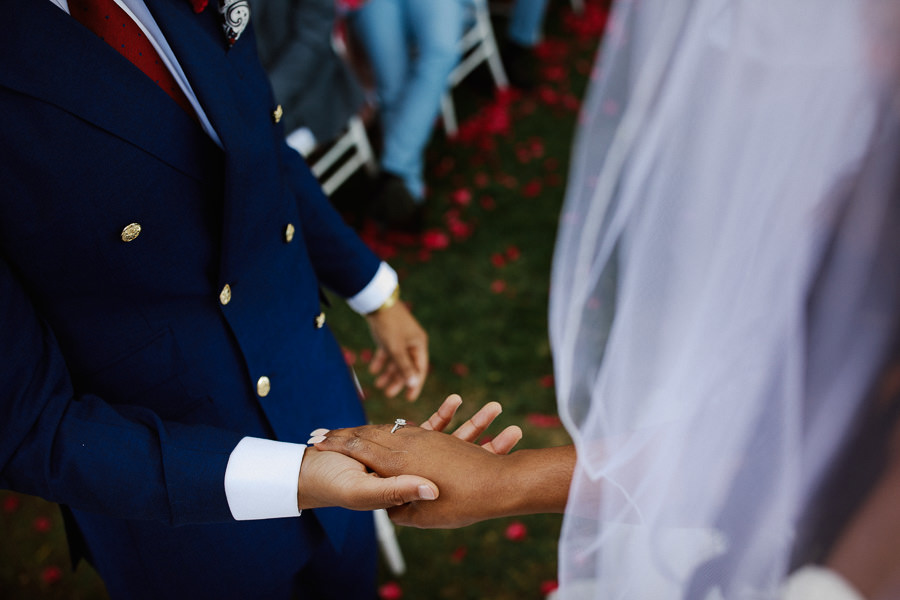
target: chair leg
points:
(363, 147)
(387, 541)
(449, 114)
(489, 44)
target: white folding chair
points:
(344, 157)
(387, 542)
(477, 45)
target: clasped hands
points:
(452, 473)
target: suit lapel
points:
(50, 56)
(233, 101)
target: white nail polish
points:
(316, 439)
(426, 493)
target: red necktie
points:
(116, 28)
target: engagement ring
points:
(398, 423)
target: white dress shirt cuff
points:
(818, 583)
(261, 479)
(376, 292)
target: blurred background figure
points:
(315, 85)
(526, 21)
(413, 47)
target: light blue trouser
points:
(410, 85)
(526, 21)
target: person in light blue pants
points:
(526, 22)
(413, 47)
(523, 33)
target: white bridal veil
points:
(725, 292)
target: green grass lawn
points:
(478, 281)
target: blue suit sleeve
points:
(341, 260)
(80, 451)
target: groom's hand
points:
(401, 355)
(332, 479)
(475, 484)
(473, 481)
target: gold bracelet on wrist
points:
(391, 300)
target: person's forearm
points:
(536, 481)
(868, 552)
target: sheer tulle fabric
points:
(725, 287)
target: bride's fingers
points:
(444, 414)
(362, 444)
(475, 426)
(504, 441)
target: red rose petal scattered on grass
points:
(497, 286)
(543, 421)
(554, 73)
(42, 524)
(11, 504)
(482, 180)
(459, 554)
(51, 574)
(551, 585)
(532, 189)
(589, 24)
(488, 203)
(571, 102)
(390, 591)
(548, 96)
(546, 381)
(349, 356)
(551, 50)
(365, 355)
(435, 240)
(516, 531)
(498, 260)
(461, 197)
(513, 252)
(460, 369)
(460, 229)
(523, 155)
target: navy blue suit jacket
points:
(125, 382)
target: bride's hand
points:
(472, 429)
(474, 482)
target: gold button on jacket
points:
(263, 385)
(225, 295)
(277, 114)
(131, 231)
(289, 232)
(320, 320)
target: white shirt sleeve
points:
(261, 479)
(376, 292)
(818, 583)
